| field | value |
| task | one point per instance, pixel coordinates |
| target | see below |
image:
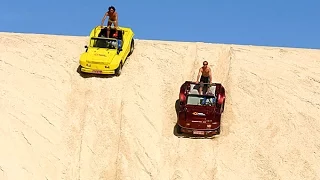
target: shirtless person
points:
(206, 75)
(113, 19)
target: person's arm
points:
(104, 18)
(199, 74)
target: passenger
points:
(113, 44)
(115, 35)
(209, 99)
(206, 76)
(113, 19)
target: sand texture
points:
(58, 125)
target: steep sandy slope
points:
(56, 124)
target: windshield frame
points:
(93, 41)
(201, 98)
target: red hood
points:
(201, 117)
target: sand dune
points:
(56, 124)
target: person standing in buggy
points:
(206, 76)
(113, 19)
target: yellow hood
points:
(99, 56)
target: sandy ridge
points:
(58, 125)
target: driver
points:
(206, 75)
(111, 44)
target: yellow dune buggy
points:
(107, 55)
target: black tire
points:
(131, 47)
(119, 70)
(219, 131)
(223, 106)
(178, 129)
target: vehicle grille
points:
(95, 62)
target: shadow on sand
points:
(176, 127)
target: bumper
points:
(96, 71)
(201, 132)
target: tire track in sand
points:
(175, 152)
(93, 127)
(221, 74)
(220, 58)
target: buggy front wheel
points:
(131, 47)
(119, 70)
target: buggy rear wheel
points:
(219, 131)
(177, 130)
(222, 106)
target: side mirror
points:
(86, 46)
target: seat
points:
(103, 33)
(212, 89)
(194, 91)
(120, 33)
(192, 86)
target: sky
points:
(280, 23)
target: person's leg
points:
(108, 28)
(109, 23)
(201, 85)
(206, 80)
(115, 23)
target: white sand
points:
(56, 124)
